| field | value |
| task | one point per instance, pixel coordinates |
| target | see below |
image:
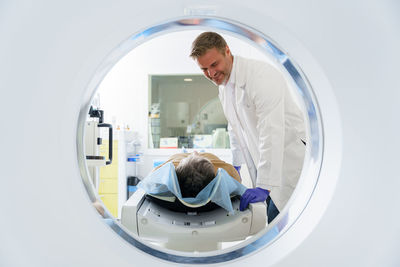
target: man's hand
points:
(253, 195)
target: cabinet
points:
(108, 179)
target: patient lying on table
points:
(193, 181)
(196, 170)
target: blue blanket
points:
(163, 184)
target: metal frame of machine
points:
(313, 157)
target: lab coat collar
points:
(237, 77)
(240, 72)
(231, 82)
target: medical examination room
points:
(192, 133)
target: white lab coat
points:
(266, 127)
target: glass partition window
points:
(185, 112)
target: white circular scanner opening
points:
(312, 161)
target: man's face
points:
(216, 66)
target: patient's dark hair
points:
(194, 173)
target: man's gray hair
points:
(194, 173)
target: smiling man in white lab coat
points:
(266, 127)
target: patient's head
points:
(194, 173)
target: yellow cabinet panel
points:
(109, 171)
(108, 186)
(108, 179)
(111, 203)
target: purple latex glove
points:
(238, 169)
(253, 195)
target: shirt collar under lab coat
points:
(235, 78)
(231, 82)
